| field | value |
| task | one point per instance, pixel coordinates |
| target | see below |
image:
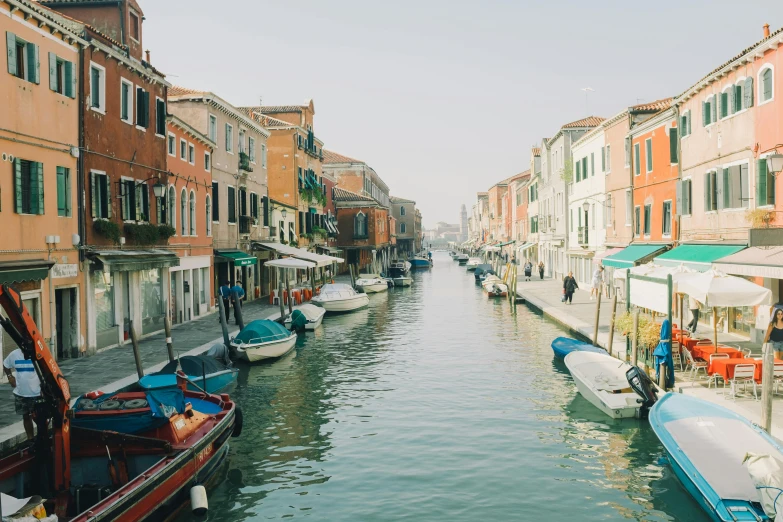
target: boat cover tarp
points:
(194, 366)
(163, 403)
(262, 331)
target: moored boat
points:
(562, 346)
(340, 298)
(706, 446)
(494, 286)
(313, 315)
(473, 263)
(420, 262)
(462, 259)
(398, 273)
(263, 339)
(371, 283)
(203, 373)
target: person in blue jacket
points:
(237, 294)
(225, 295)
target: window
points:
(708, 112)
(183, 213)
(263, 156)
(171, 204)
(162, 209)
(738, 97)
(684, 197)
(208, 219)
(402, 210)
(242, 201)
(63, 192)
(213, 128)
(97, 88)
(126, 101)
(128, 200)
(251, 149)
(628, 207)
(100, 191)
(667, 218)
(360, 226)
(637, 216)
(172, 145)
(254, 207)
(229, 138)
(191, 154)
(647, 219)
(732, 187)
(765, 84)
(608, 159)
(183, 149)
(207, 161)
(28, 187)
(584, 167)
(710, 191)
(232, 205)
(592, 163)
(142, 108)
(603, 159)
(160, 117)
(725, 103)
(578, 171)
(192, 213)
(636, 159)
(628, 152)
(134, 26)
(765, 184)
(215, 202)
(673, 144)
(747, 89)
(22, 59)
(142, 202)
(61, 77)
(402, 228)
(648, 154)
(685, 123)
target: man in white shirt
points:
(27, 387)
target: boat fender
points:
(239, 421)
(198, 500)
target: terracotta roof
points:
(176, 90)
(658, 105)
(272, 109)
(333, 157)
(263, 119)
(536, 151)
(736, 57)
(396, 199)
(590, 121)
(345, 195)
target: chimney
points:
(766, 30)
(148, 52)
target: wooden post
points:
(609, 343)
(634, 339)
(288, 289)
(597, 318)
(238, 313)
(136, 355)
(169, 342)
(662, 376)
(682, 318)
(280, 298)
(715, 327)
(767, 375)
(223, 323)
(312, 282)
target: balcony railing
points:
(583, 236)
(244, 162)
(244, 224)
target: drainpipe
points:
(80, 189)
(678, 215)
(52, 309)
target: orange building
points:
(363, 227)
(39, 147)
(654, 166)
(190, 188)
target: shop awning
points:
(606, 253)
(299, 253)
(507, 243)
(331, 250)
(697, 257)
(754, 262)
(330, 227)
(633, 255)
(237, 257)
(526, 246)
(134, 260)
(21, 271)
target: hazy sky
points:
(444, 98)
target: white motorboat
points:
(398, 273)
(313, 314)
(601, 379)
(371, 283)
(402, 281)
(340, 298)
(473, 262)
(263, 339)
(494, 286)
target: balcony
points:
(245, 223)
(583, 237)
(244, 162)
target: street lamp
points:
(775, 163)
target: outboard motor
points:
(644, 387)
(298, 321)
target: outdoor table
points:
(725, 367)
(703, 351)
(690, 342)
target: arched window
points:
(360, 225)
(192, 213)
(402, 228)
(209, 215)
(402, 210)
(183, 213)
(765, 84)
(171, 206)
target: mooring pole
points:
(634, 339)
(597, 318)
(280, 298)
(136, 355)
(767, 376)
(288, 290)
(224, 323)
(610, 343)
(169, 341)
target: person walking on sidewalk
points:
(237, 294)
(775, 333)
(27, 387)
(693, 306)
(570, 286)
(225, 295)
(528, 270)
(541, 269)
(598, 281)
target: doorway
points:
(67, 317)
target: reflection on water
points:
(436, 403)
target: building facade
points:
(363, 227)
(404, 213)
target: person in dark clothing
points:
(570, 286)
(528, 270)
(237, 294)
(541, 269)
(693, 306)
(775, 332)
(225, 295)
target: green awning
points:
(697, 257)
(507, 243)
(313, 210)
(237, 257)
(21, 271)
(633, 255)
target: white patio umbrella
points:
(715, 288)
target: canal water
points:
(436, 404)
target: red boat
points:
(162, 442)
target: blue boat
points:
(419, 262)
(706, 446)
(197, 367)
(562, 346)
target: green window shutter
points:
(678, 197)
(714, 109)
(748, 92)
(38, 183)
(33, 64)
(689, 124)
(53, 71)
(70, 80)
(68, 206)
(93, 195)
(584, 167)
(705, 115)
(673, 145)
(107, 201)
(727, 193)
(761, 182)
(739, 99)
(10, 42)
(648, 155)
(592, 163)
(18, 186)
(686, 197)
(707, 191)
(637, 158)
(603, 159)
(60, 192)
(718, 189)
